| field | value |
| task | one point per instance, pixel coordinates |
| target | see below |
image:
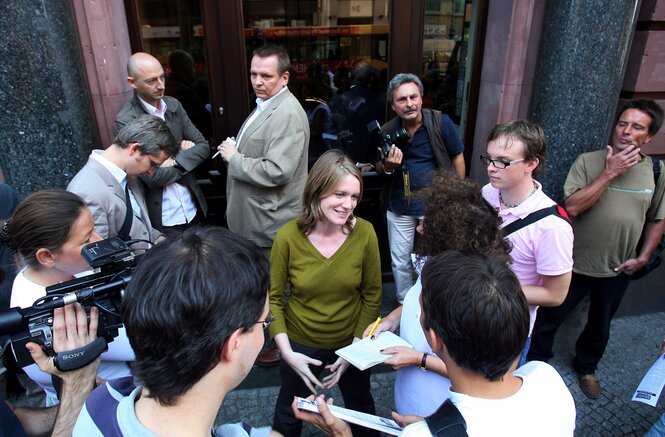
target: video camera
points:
(103, 290)
(399, 137)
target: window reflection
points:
(172, 31)
(445, 51)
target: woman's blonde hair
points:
(324, 178)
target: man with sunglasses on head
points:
(542, 252)
(615, 199)
(108, 182)
(195, 312)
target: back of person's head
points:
(530, 133)
(476, 307)
(151, 133)
(185, 299)
(42, 220)
(649, 107)
(181, 65)
(457, 217)
(283, 60)
(323, 179)
(399, 80)
(362, 75)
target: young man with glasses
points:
(543, 251)
(195, 312)
(615, 199)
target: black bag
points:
(447, 421)
(656, 257)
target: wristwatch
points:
(423, 362)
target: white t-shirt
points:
(542, 407)
(113, 364)
(417, 391)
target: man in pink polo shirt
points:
(542, 251)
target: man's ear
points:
(134, 148)
(131, 81)
(532, 164)
(232, 348)
(433, 340)
(45, 257)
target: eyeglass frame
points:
(503, 164)
(268, 321)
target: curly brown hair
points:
(457, 217)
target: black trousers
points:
(353, 384)
(605, 295)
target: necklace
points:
(508, 205)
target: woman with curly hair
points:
(456, 218)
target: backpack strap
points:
(434, 127)
(655, 161)
(447, 421)
(556, 210)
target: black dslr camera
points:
(103, 290)
(399, 137)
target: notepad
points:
(382, 424)
(366, 353)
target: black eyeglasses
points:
(268, 321)
(498, 163)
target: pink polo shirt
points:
(542, 248)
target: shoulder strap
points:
(556, 210)
(434, 127)
(391, 125)
(447, 421)
(123, 234)
(655, 161)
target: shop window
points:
(445, 54)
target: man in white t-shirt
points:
(476, 319)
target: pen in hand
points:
(371, 331)
(231, 140)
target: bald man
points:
(174, 199)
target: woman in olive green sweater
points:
(330, 259)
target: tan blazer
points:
(266, 179)
(106, 200)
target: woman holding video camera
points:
(330, 261)
(47, 231)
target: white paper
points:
(651, 386)
(382, 424)
(367, 352)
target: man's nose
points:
(160, 83)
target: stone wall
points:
(46, 126)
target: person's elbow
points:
(557, 287)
